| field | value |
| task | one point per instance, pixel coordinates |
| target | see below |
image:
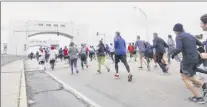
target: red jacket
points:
(130, 48)
(65, 52)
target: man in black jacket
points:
(186, 43)
(159, 44)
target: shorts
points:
(83, 57)
(52, 61)
(42, 62)
(65, 57)
(188, 69)
(141, 54)
(134, 52)
(120, 57)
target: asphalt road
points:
(148, 89)
(43, 91)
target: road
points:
(148, 88)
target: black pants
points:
(83, 58)
(112, 55)
(52, 63)
(159, 61)
(123, 60)
(91, 55)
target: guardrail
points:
(5, 59)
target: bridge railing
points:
(5, 58)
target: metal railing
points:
(5, 58)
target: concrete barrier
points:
(5, 59)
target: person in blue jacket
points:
(187, 44)
(120, 54)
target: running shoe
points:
(205, 90)
(199, 100)
(129, 77)
(140, 67)
(116, 76)
(108, 69)
(98, 71)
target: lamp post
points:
(97, 34)
(146, 19)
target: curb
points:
(23, 94)
(74, 92)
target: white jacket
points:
(42, 56)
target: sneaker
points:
(108, 69)
(98, 71)
(199, 100)
(204, 90)
(77, 71)
(140, 67)
(129, 77)
(166, 73)
(71, 73)
(116, 76)
(167, 68)
(155, 66)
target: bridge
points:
(59, 88)
(25, 85)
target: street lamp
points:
(97, 34)
(146, 19)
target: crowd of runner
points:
(184, 43)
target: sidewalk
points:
(10, 83)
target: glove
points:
(201, 50)
(172, 56)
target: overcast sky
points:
(109, 17)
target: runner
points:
(111, 50)
(37, 55)
(91, 53)
(101, 56)
(42, 60)
(159, 44)
(186, 43)
(65, 54)
(87, 50)
(60, 54)
(131, 50)
(83, 56)
(53, 54)
(94, 50)
(204, 55)
(142, 48)
(107, 51)
(73, 54)
(47, 55)
(120, 54)
(31, 55)
(171, 47)
(134, 53)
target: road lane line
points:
(80, 96)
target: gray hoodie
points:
(73, 52)
(171, 43)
